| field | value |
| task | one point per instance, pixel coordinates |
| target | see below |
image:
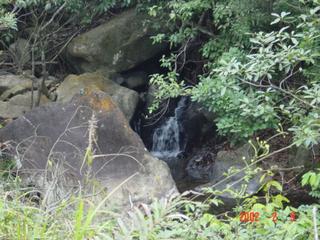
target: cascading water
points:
(166, 140)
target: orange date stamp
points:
(255, 217)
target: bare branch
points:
(54, 15)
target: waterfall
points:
(166, 140)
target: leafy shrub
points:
(86, 10)
(313, 180)
(251, 79)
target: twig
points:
(54, 15)
(314, 213)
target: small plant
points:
(312, 179)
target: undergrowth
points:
(80, 217)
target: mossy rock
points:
(126, 99)
(118, 45)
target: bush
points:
(252, 80)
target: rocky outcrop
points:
(118, 45)
(9, 81)
(15, 95)
(125, 98)
(19, 105)
(85, 142)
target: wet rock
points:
(118, 45)
(198, 128)
(50, 145)
(228, 174)
(126, 99)
(200, 166)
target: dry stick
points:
(35, 39)
(113, 157)
(314, 212)
(33, 79)
(55, 177)
(53, 16)
(42, 88)
(161, 113)
(64, 46)
(43, 78)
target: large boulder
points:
(85, 144)
(126, 99)
(120, 44)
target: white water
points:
(166, 139)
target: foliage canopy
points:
(253, 75)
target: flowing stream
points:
(167, 140)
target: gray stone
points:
(25, 99)
(19, 105)
(8, 81)
(12, 85)
(50, 143)
(118, 45)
